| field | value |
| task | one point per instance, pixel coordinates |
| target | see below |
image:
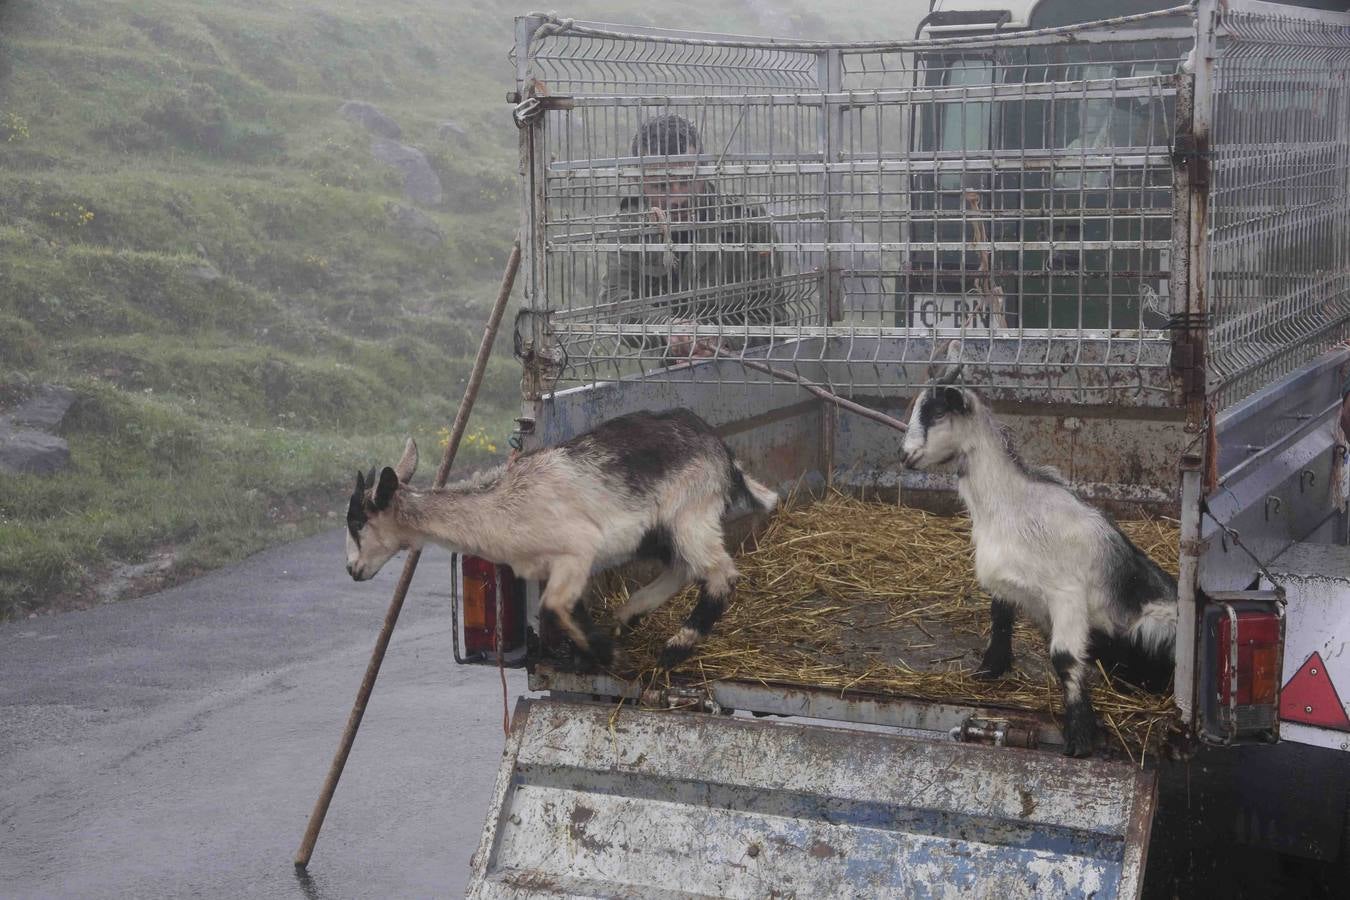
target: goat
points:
(640, 486)
(1041, 550)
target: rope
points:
(825, 394)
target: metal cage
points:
(1280, 182)
(860, 212)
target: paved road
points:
(172, 746)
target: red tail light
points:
(483, 581)
(1249, 658)
(1243, 651)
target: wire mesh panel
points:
(1279, 230)
(863, 211)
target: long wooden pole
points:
(409, 567)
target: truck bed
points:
(854, 596)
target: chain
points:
(1232, 535)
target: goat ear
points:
(384, 491)
(956, 399)
(360, 482)
(408, 464)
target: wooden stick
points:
(409, 567)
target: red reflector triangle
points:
(1311, 699)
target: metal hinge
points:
(996, 733)
(1193, 153)
(527, 111)
(684, 698)
(1187, 359)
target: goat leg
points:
(712, 600)
(669, 583)
(598, 643)
(561, 605)
(1080, 719)
(998, 656)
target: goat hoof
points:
(1077, 749)
(601, 649)
(993, 666)
(990, 673)
(673, 656)
(1080, 733)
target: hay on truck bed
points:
(848, 594)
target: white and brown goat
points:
(640, 486)
(1041, 550)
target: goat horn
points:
(950, 375)
(952, 372)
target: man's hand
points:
(685, 344)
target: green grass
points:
(150, 473)
(139, 136)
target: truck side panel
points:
(604, 801)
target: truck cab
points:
(1038, 239)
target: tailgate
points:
(641, 803)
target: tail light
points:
(1244, 660)
(481, 585)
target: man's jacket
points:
(732, 286)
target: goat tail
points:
(756, 495)
(1155, 631)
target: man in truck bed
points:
(731, 287)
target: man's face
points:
(672, 191)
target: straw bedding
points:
(849, 594)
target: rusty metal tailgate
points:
(596, 802)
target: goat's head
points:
(939, 427)
(374, 532)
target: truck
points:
(1131, 222)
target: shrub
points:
(20, 343)
(196, 117)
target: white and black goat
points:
(1042, 550)
(640, 486)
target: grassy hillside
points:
(195, 240)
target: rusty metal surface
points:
(598, 801)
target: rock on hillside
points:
(421, 185)
(27, 452)
(46, 408)
(371, 118)
(26, 447)
(452, 129)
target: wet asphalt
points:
(173, 746)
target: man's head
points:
(670, 189)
